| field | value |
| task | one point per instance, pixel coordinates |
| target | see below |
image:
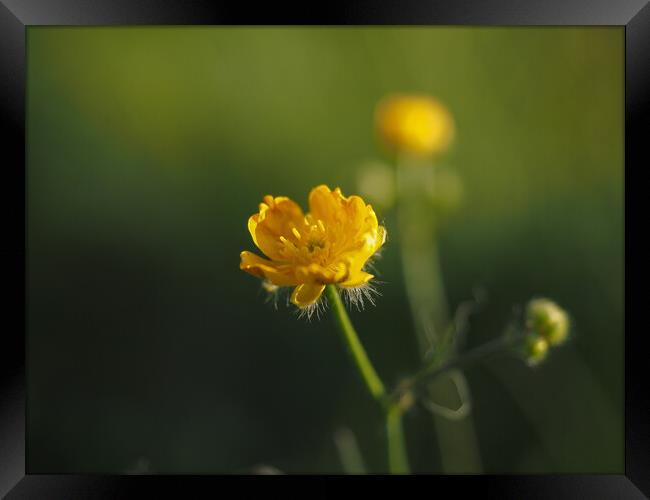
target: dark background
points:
(148, 148)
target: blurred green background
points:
(148, 148)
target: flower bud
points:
(535, 349)
(545, 318)
(414, 124)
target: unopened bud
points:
(545, 318)
(535, 349)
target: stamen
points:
(287, 243)
(321, 225)
(295, 232)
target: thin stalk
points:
(397, 460)
(426, 295)
(419, 253)
(367, 371)
(429, 373)
(349, 452)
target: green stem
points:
(419, 252)
(367, 371)
(426, 295)
(349, 452)
(429, 373)
(397, 460)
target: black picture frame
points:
(15, 15)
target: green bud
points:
(545, 318)
(535, 349)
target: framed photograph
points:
(325, 242)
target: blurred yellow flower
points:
(330, 244)
(414, 124)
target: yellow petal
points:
(358, 256)
(334, 273)
(356, 211)
(325, 204)
(357, 279)
(380, 238)
(252, 226)
(307, 294)
(278, 274)
(279, 216)
(348, 219)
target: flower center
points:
(314, 244)
(307, 243)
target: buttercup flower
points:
(415, 124)
(330, 244)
